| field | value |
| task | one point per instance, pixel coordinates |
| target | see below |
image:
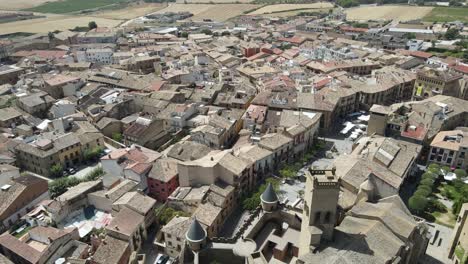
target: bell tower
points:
(320, 208)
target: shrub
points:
(56, 170)
(428, 182)
(92, 25)
(422, 192)
(429, 175)
(117, 137)
(460, 173)
(435, 205)
(434, 165)
(425, 188)
(417, 203)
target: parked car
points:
(162, 259)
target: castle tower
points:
(320, 208)
(269, 199)
(196, 236)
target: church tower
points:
(320, 208)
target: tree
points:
(428, 182)
(93, 154)
(417, 203)
(422, 192)
(117, 137)
(92, 25)
(287, 172)
(184, 34)
(452, 33)
(424, 188)
(225, 33)
(445, 169)
(460, 173)
(167, 213)
(429, 175)
(56, 170)
(50, 35)
(410, 35)
(207, 31)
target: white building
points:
(103, 56)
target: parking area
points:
(84, 170)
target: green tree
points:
(410, 35)
(452, 33)
(50, 35)
(287, 172)
(184, 34)
(225, 33)
(424, 188)
(166, 214)
(93, 154)
(422, 192)
(460, 173)
(92, 25)
(117, 137)
(207, 31)
(429, 175)
(417, 203)
(445, 169)
(56, 170)
(428, 182)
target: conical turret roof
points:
(195, 232)
(269, 195)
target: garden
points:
(439, 200)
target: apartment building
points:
(450, 148)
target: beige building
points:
(459, 244)
(217, 166)
(418, 121)
(383, 162)
(172, 238)
(450, 148)
(431, 82)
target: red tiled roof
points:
(461, 68)
(419, 133)
(322, 83)
(156, 86)
(421, 54)
(295, 40)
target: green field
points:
(447, 14)
(68, 6)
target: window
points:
(317, 217)
(449, 160)
(327, 217)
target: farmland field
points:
(217, 12)
(447, 14)
(400, 13)
(295, 12)
(290, 7)
(20, 4)
(67, 6)
(130, 12)
(54, 22)
(212, 1)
